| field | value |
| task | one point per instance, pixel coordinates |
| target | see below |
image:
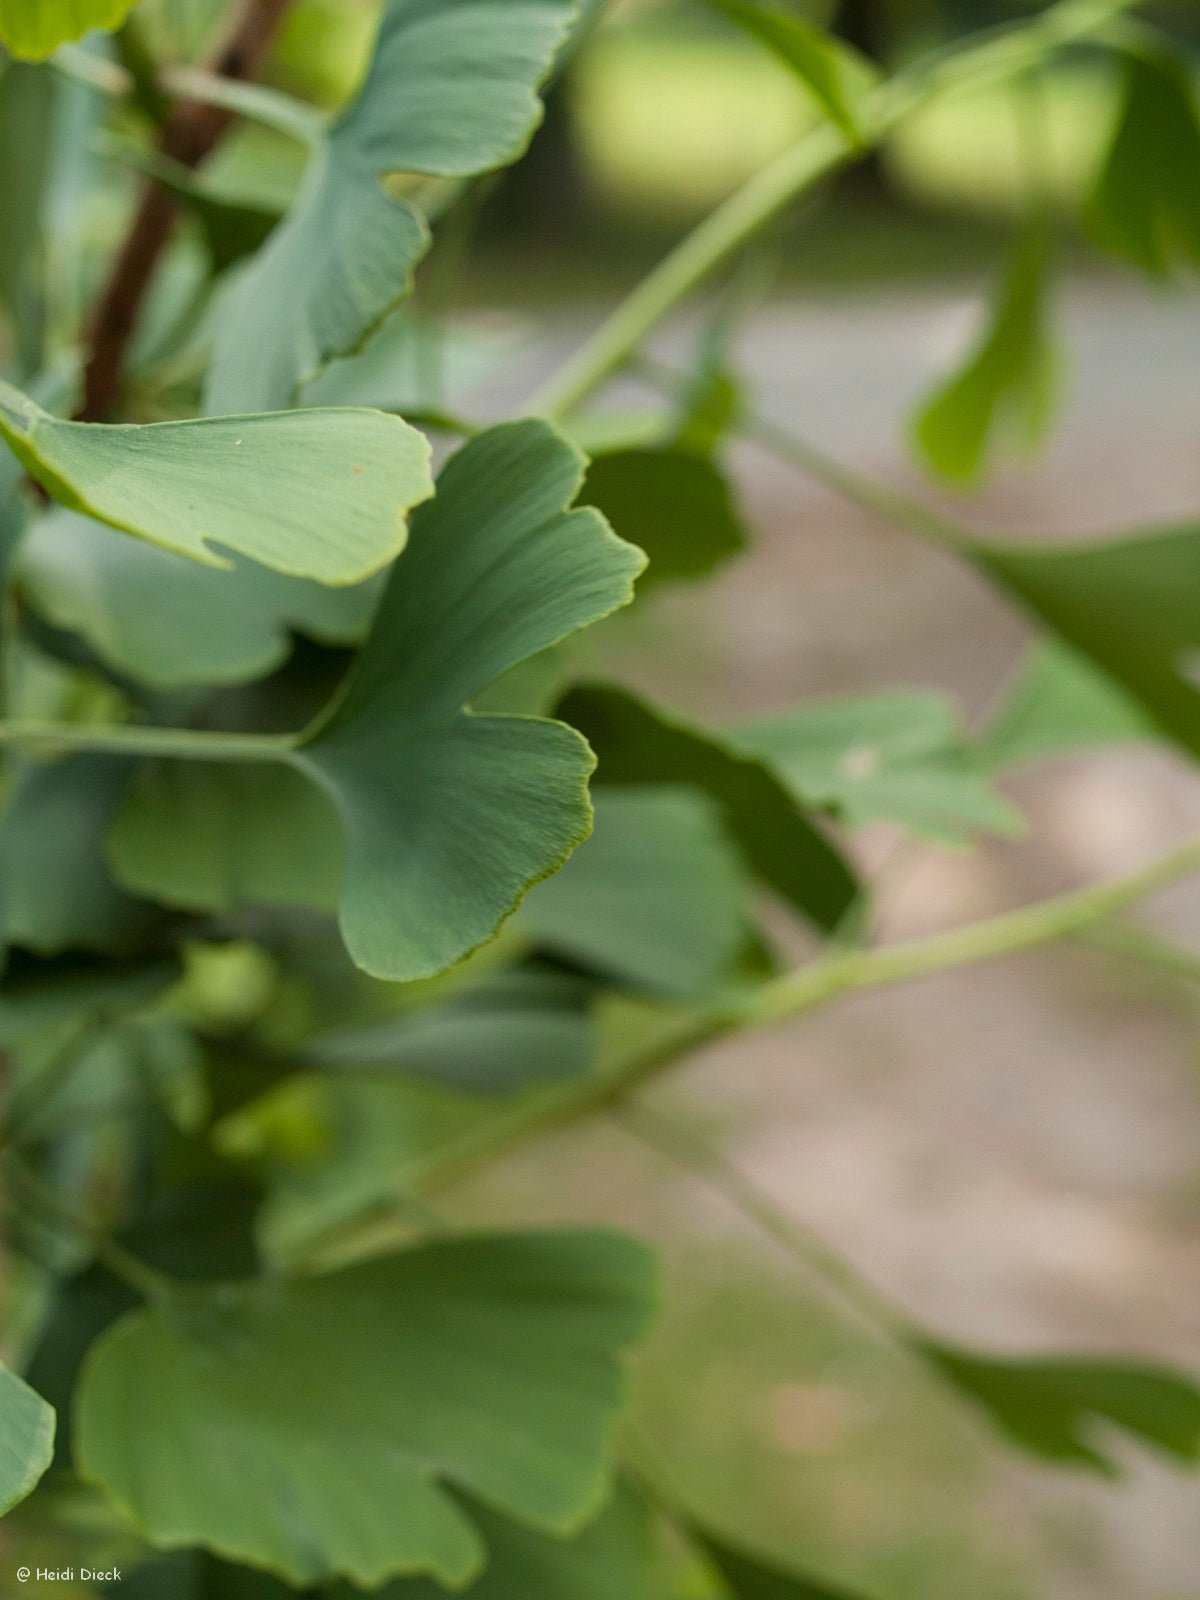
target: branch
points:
(822, 981)
(1005, 53)
(190, 134)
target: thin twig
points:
(190, 133)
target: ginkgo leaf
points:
(753, 1577)
(26, 1438)
(446, 817)
(451, 91)
(638, 744)
(612, 1559)
(1054, 1406)
(317, 494)
(1060, 703)
(898, 756)
(34, 29)
(1008, 382)
(170, 623)
(1146, 203)
(1131, 606)
(675, 504)
(56, 893)
(451, 817)
(350, 1407)
(836, 75)
(654, 897)
(509, 1030)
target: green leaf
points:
(1008, 383)
(351, 1407)
(255, 836)
(654, 897)
(638, 744)
(675, 504)
(1146, 203)
(56, 893)
(447, 818)
(317, 494)
(34, 29)
(451, 92)
(751, 1577)
(511, 1029)
(450, 818)
(900, 756)
(612, 1559)
(26, 1438)
(1132, 606)
(1059, 704)
(835, 75)
(1053, 1406)
(170, 623)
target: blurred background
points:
(1012, 1152)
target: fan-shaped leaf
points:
(34, 29)
(512, 1029)
(451, 91)
(835, 75)
(171, 623)
(317, 494)
(449, 817)
(654, 897)
(899, 756)
(751, 1577)
(26, 1438)
(1146, 204)
(318, 1428)
(674, 503)
(1008, 382)
(1051, 1406)
(1061, 703)
(1131, 605)
(637, 744)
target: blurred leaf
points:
(56, 893)
(654, 897)
(255, 836)
(638, 744)
(1052, 1406)
(836, 75)
(1008, 382)
(34, 29)
(171, 623)
(318, 494)
(612, 1559)
(1061, 703)
(675, 504)
(898, 756)
(511, 1029)
(482, 1364)
(748, 1577)
(1146, 203)
(451, 92)
(26, 125)
(26, 1438)
(46, 994)
(1132, 606)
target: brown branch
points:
(191, 133)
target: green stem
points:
(1143, 946)
(144, 1280)
(187, 744)
(829, 978)
(725, 232)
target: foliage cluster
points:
(330, 869)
